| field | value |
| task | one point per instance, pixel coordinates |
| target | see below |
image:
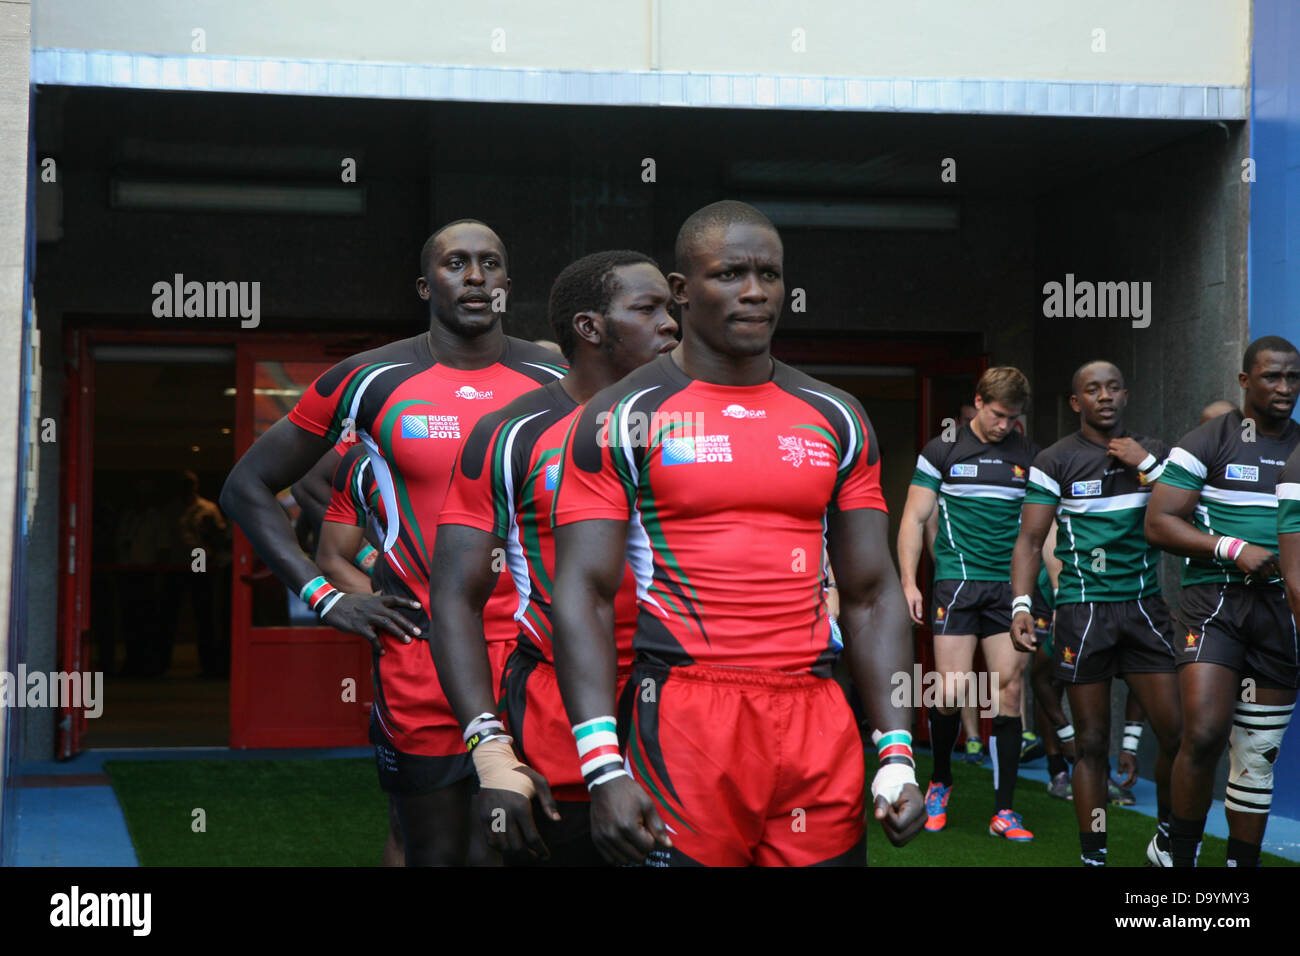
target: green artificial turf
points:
(258, 812)
(331, 813)
(966, 841)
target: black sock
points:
(1092, 848)
(1055, 764)
(1241, 853)
(1185, 839)
(1162, 831)
(943, 734)
(1006, 760)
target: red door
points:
(293, 683)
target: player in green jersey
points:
(1216, 505)
(1110, 617)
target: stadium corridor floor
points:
(68, 815)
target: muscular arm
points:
(312, 491)
(931, 530)
(589, 561)
(1050, 560)
(1288, 546)
(278, 458)
(911, 533)
(461, 581)
(281, 455)
(1168, 529)
(1035, 521)
(877, 640)
(336, 553)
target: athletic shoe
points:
(1031, 747)
(936, 806)
(1060, 787)
(1157, 856)
(1119, 796)
(1007, 823)
(975, 752)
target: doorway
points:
(162, 443)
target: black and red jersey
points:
(726, 491)
(413, 413)
(355, 498)
(504, 484)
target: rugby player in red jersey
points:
(411, 402)
(609, 312)
(721, 472)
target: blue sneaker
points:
(936, 806)
(975, 752)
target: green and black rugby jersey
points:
(1288, 495)
(1237, 481)
(980, 487)
(1101, 504)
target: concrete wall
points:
(1156, 41)
(15, 46)
(1177, 218)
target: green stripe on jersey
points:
(976, 537)
(1288, 508)
(1104, 553)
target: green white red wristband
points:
(319, 595)
(362, 555)
(897, 766)
(598, 755)
(894, 747)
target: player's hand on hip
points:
(904, 818)
(624, 823)
(915, 603)
(1259, 563)
(1022, 632)
(369, 615)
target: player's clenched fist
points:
(1022, 632)
(624, 824)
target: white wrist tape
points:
(1132, 737)
(1065, 734)
(495, 761)
(890, 780)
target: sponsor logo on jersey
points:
(1270, 461)
(1068, 656)
(470, 392)
(740, 411)
(1085, 489)
(1242, 473)
(696, 450)
(964, 471)
(430, 426)
(793, 449)
(1017, 471)
(552, 477)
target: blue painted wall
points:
(1275, 236)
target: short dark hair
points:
(1267, 343)
(1074, 379)
(718, 215)
(587, 285)
(426, 251)
(1005, 384)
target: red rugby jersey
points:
(504, 484)
(726, 490)
(413, 414)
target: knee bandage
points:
(1253, 747)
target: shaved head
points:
(718, 215)
(1088, 366)
(1215, 409)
